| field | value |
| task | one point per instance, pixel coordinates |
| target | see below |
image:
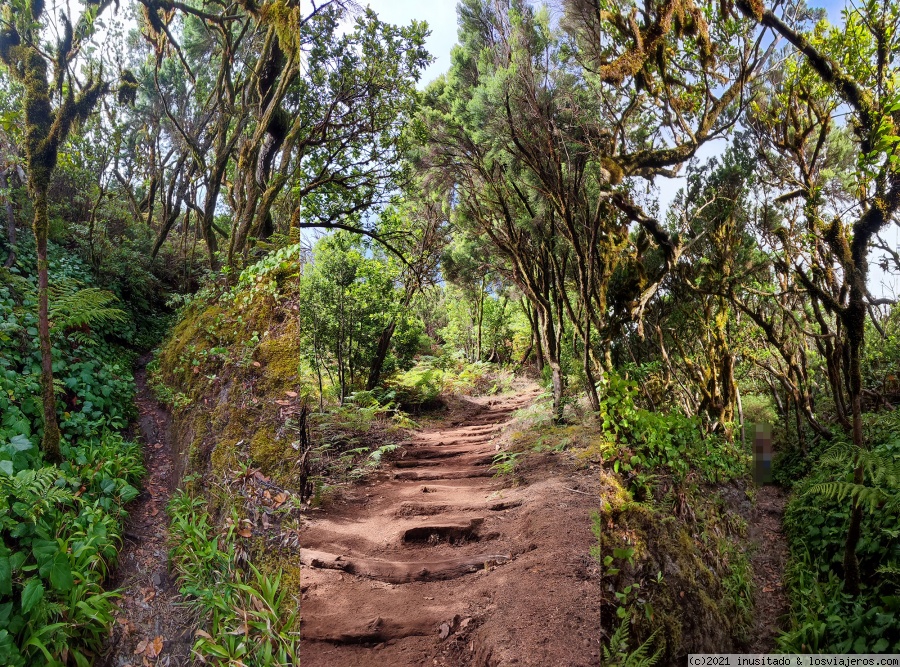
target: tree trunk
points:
(550, 340)
(855, 319)
(50, 443)
(590, 381)
(527, 353)
(480, 320)
(209, 234)
(384, 344)
(166, 228)
(10, 219)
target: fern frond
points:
(881, 468)
(89, 306)
(641, 657)
(617, 654)
(869, 497)
(891, 569)
(839, 455)
(618, 643)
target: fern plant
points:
(880, 468)
(616, 654)
(72, 308)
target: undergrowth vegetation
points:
(670, 530)
(350, 252)
(824, 618)
(61, 525)
(247, 619)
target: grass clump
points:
(245, 610)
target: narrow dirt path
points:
(440, 563)
(151, 628)
(769, 559)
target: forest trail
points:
(769, 559)
(151, 629)
(438, 562)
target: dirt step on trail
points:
(438, 562)
(151, 628)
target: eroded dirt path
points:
(440, 563)
(151, 628)
(769, 559)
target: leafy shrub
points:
(432, 377)
(61, 525)
(94, 386)
(669, 440)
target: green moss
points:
(225, 456)
(194, 334)
(681, 572)
(265, 447)
(280, 357)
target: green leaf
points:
(7, 467)
(5, 576)
(20, 443)
(61, 573)
(44, 550)
(32, 594)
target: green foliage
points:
(669, 440)
(61, 526)
(739, 589)
(84, 308)
(823, 617)
(758, 409)
(246, 611)
(504, 463)
(61, 529)
(617, 654)
(348, 299)
(881, 356)
(94, 382)
(433, 377)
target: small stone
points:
(445, 631)
(157, 580)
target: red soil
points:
(438, 562)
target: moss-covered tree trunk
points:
(41, 226)
(41, 149)
(854, 323)
(46, 129)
